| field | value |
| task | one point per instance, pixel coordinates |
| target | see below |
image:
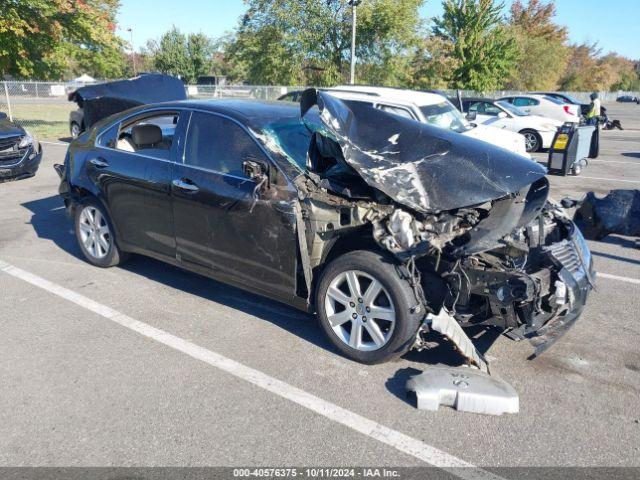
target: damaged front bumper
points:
(576, 270)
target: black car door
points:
(135, 179)
(223, 220)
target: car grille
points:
(9, 151)
(566, 255)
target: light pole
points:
(133, 52)
(354, 4)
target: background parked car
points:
(538, 131)
(545, 106)
(293, 96)
(428, 107)
(566, 98)
(628, 99)
(20, 153)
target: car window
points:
(445, 115)
(512, 109)
(108, 137)
(525, 102)
(149, 135)
(557, 101)
(219, 144)
(484, 108)
(403, 112)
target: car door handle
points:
(187, 187)
(98, 162)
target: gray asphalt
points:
(78, 390)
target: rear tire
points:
(74, 130)
(95, 235)
(363, 325)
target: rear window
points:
(554, 100)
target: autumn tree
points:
(47, 39)
(542, 53)
(484, 50)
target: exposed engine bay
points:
(487, 247)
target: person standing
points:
(595, 109)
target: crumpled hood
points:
(425, 168)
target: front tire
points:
(95, 236)
(532, 140)
(366, 309)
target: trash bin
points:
(571, 146)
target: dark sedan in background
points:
(20, 153)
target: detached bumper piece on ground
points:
(465, 389)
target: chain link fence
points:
(43, 107)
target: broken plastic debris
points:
(446, 324)
(465, 389)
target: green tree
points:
(170, 53)
(186, 56)
(542, 53)
(47, 39)
(309, 41)
(485, 51)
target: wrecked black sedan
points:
(20, 153)
(384, 226)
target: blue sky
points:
(613, 24)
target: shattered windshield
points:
(445, 115)
(293, 138)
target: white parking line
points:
(608, 179)
(635, 281)
(403, 443)
(61, 144)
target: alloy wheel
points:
(360, 310)
(94, 232)
(531, 141)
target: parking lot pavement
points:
(81, 389)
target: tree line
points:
(475, 44)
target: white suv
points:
(430, 108)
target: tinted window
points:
(525, 102)
(293, 138)
(218, 144)
(403, 112)
(150, 135)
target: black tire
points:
(534, 137)
(383, 269)
(114, 256)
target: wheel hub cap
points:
(94, 232)
(360, 310)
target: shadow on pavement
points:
(631, 154)
(50, 222)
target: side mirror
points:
(255, 170)
(472, 116)
(502, 115)
(3, 115)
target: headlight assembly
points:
(26, 141)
